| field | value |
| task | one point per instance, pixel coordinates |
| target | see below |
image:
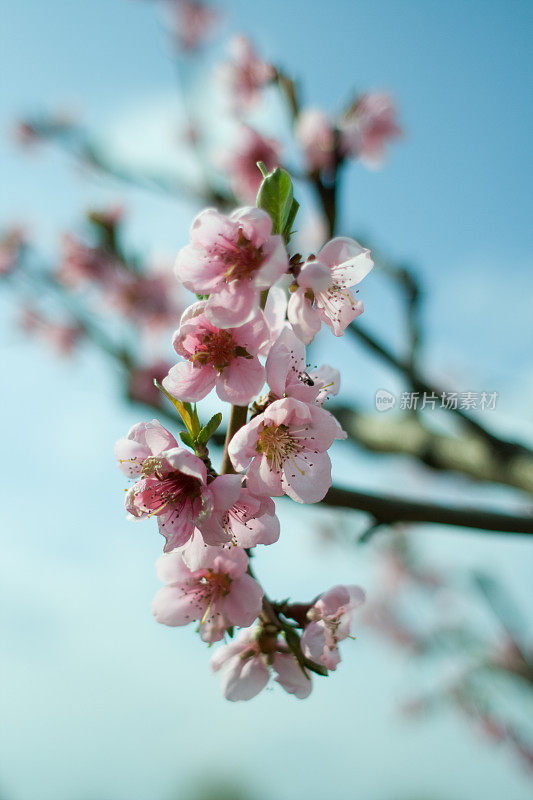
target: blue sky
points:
(99, 702)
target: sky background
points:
(100, 703)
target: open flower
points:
(172, 486)
(249, 521)
(331, 618)
(284, 449)
(322, 291)
(222, 357)
(219, 595)
(232, 259)
(246, 664)
(287, 375)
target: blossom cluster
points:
(361, 132)
(245, 337)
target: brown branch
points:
(502, 448)
(236, 421)
(407, 435)
(389, 510)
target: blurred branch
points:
(407, 435)
(391, 510)
(501, 448)
(74, 141)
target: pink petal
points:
(234, 305)
(230, 560)
(241, 449)
(242, 680)
(196, 554)
(256, 224)
(285, 360)
(313, 641)
(357, 596)
(226, 490)
(209, 225)
(157, 437)
(130, 456)
(325, 429)
(290, 676)
(184, 461)
(252, 335)
(213, 629)
(328, 380)
(275, 312)
(171, 568)
(189, 383)
(307, 481)
(338, 308)
(176, 527)
(196, 271)
(315, 275)
(239, 383)
(303, 316)
(275, 265)
(258, 530)
(243, 604)
(263, 479)
(172, 606)
(349, 260)
(289, 411)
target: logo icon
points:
(385, 400)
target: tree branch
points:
(407, 435)
(391, 510)
(502, 448)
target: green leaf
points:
(275, 196)
(186, 439)
(209, 429)
(184, 410)
(287, 230)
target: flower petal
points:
(241, 381)
(242, 680)
(174, 606)
(189, 383)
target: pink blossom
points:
(316, 136)
(245, 74)
(331, 618)
(369, 128)
(63, 336)
(232, 259)
(275, 312)
(225, 358)
(172, 485)
(247, 662)
(144, 440)
(191, 22)
(322, 292)
(220, 594)
(249, 521)
(287, 375)
(146, 300)
(284, 449)
(241, 163)
(82, 265)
